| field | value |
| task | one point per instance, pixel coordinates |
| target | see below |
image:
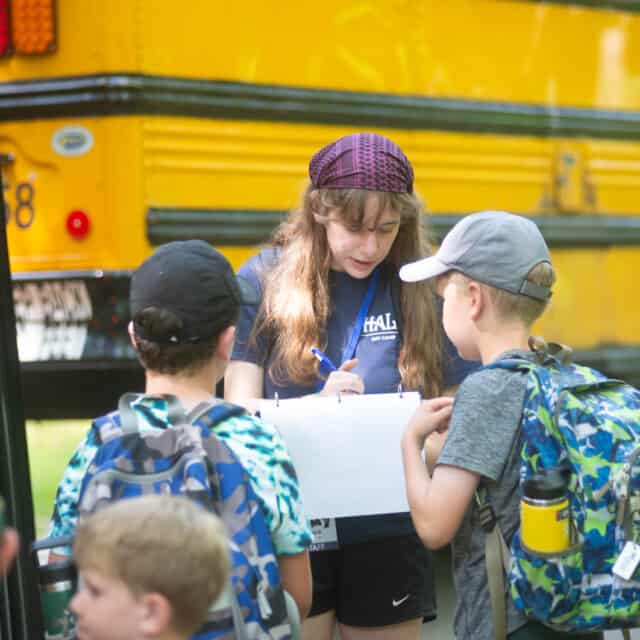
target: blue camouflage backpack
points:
(188, 459)
(578, 420)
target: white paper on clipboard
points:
(346, 452)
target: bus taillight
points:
(78, 224)
(33, 26)
(5, 32)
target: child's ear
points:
(156, 616)
(132, 334)
(225, 343)
(476, 300)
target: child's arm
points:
(432, 448)
(9, 545)
(243, 383)
(295, 573)
(65, 509)
(437, 505)
(434, 443)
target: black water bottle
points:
(58, 582)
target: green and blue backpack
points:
(579, 420)
(185, 457)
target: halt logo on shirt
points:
(380, 327)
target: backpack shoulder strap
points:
(546, 354)
(513, 363)
(228, 599)
(497, 559)
(215, 412)
(542, 393)
(129, 420)
(496, 555)
(106, 427)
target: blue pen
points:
(323, 359)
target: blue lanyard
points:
(350, 349)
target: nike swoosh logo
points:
(397, 603)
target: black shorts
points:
(374, 584)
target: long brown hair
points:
(296, 303)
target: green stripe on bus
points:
(630, 6)
(128, 94)
(246, 227)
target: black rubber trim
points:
(80, 274)
(569, 230)
(224, 227)
(217, 226)
(622, 362)
(127, 94)
(630, 6)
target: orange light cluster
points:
(33, 26)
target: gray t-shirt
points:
(484, 437)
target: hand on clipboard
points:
(340, 379)
(432, 416)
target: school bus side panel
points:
(527, 52)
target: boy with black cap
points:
(185, 301)
(494, 273)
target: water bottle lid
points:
(546, 486)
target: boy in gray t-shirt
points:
(494, 273)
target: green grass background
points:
(51, 444)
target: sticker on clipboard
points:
(325, 534)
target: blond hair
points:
(511, 305)
(159, 544)
(297, 305)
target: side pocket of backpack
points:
(548, 588)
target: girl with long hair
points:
(329, 282)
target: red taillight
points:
(78, 224)
(5, 31)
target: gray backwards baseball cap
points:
(493, 247)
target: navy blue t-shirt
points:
(377, 352)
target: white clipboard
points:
(346, 450)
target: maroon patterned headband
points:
(362, 161)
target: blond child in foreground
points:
(149, 568)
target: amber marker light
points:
(78, 224)
(33, 26)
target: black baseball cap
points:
(194, 282)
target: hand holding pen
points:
(339, 380)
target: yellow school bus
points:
(128, 123)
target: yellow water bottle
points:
(544, 513)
